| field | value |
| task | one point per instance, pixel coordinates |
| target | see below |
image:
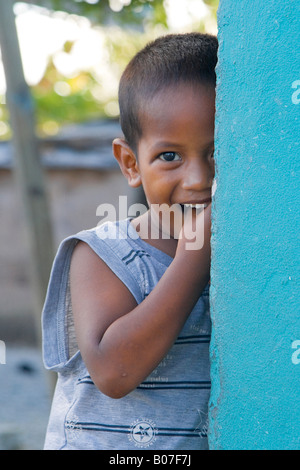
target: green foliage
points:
(127, 25)
(5, 131)
(60, 100)
(213, 4)
(134, 12)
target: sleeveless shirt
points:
(168, 410)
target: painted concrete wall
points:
(255, 351)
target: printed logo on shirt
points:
(143, 433)
(202, 428)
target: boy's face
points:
(175, 152)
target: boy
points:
(126, 320)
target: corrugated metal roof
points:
(82, 146)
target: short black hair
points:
(166, 61)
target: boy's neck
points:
(144, 227)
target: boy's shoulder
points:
(127, 255)
(118, 235)
(108, 231)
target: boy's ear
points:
(127, 161)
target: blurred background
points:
(72, 55)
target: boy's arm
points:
(122, 342)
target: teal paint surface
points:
(255, 350)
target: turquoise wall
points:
(255, 350)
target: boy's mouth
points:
(198, 206)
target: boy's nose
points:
(198, 176)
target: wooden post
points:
(27, 162)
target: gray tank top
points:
(166, 411)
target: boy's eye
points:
(169, 156)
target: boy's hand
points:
(121, 342)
